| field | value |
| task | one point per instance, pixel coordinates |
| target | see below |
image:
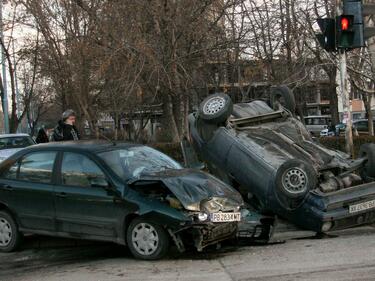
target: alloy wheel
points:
(214, 105)
(294, 180)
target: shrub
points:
(338, 143)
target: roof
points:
(13, 135)
(86, 145)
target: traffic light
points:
(350, 27)
(345, 31)
(327, 38)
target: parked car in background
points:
(359, 126)
(268, 155)
(128, 194)
(12, 143)
(362, 126)
(315, 124)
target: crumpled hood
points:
(191, 187)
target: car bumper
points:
(327, 212)
(202, 235)
(210, 234)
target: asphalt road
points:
(348, 256)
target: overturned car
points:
(266, 153)
(128, 194)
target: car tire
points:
(10, 237)
(295, 178)
(284, 96)
(216, 108)
(368, 170)
(153, 243)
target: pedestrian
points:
(65, 129)
(42, 136)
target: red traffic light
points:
(344, 24)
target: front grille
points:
(355, 220)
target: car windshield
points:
(15, 142)
(133, 161)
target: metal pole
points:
(16, 81)
(347, 112)
(18, 98)
(346, 104)
(5, 97)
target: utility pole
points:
(3, 59)
(347, 110)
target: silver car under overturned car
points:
(266, 153)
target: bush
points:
(338, 143)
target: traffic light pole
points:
(347, 110)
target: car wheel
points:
(10, 237)
(282, 95)
(216, 108)
(295, 179)
(368, 170)
(147, 240)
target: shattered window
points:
(134, 161)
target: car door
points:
(27, 188)
(83, 204)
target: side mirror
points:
(99, 182)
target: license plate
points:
(361, 206)
(225, 217)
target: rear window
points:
(15, 142)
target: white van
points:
(315, 124)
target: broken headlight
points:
(211, 206)
(202, 217)
(218, 204)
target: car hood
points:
(192, 187)
(5, 153)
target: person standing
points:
(42, 136)
(66, 129)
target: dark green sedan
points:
(129, 194)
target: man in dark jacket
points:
(65, 129)
(42, 136)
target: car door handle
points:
(62, 194)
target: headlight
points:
(211, 206)
(327, 226)
(202, 216)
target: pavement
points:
(346, 255)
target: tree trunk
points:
(170, 124)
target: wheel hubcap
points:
(214, 105)
(5, 232)
(295, 180)
(145, 239)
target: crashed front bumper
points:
(327, 212)
(209, 234)
(201, 235)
